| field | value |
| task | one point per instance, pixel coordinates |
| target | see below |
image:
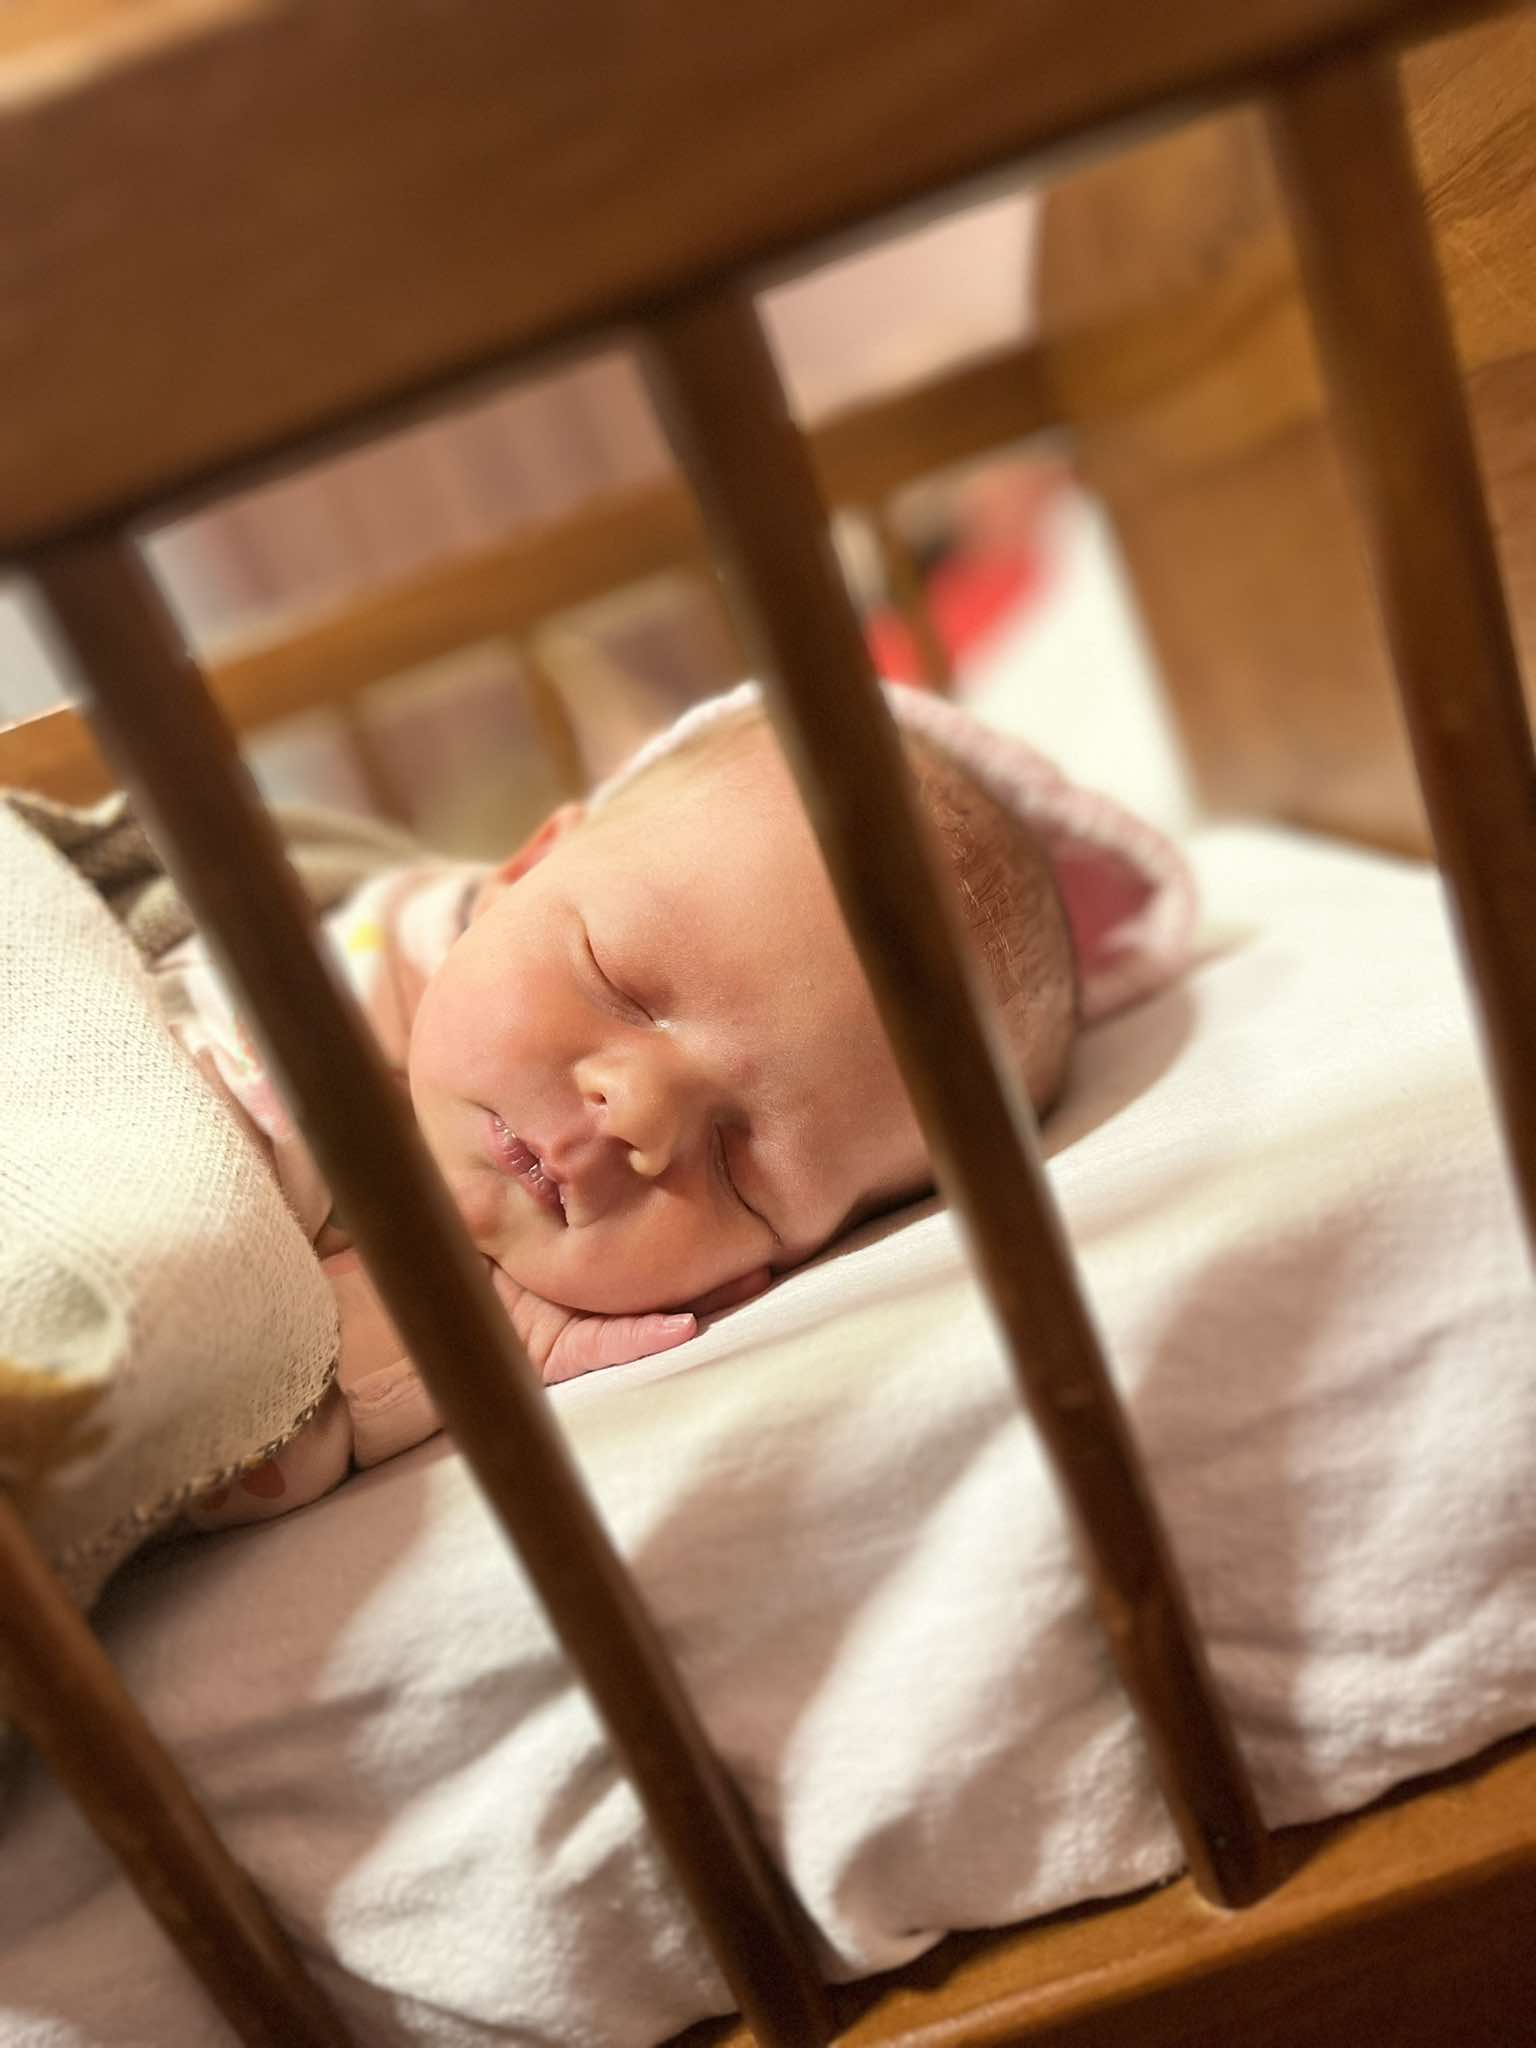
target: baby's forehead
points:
(730, 756)
(722, 813)
(732, 889)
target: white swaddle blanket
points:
(1294, 1223)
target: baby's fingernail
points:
(677, 1322)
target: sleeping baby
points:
(644, 1056)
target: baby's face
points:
(651, 1066)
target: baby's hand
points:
(379, 1407)
(564, 1343)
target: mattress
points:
(1283, 1184)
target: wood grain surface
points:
(227, 227)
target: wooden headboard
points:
(1176, 341)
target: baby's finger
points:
(592, 1342)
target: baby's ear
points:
(527, 856)
(533, 849)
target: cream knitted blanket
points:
(163, 1320)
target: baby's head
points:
(651, 1067)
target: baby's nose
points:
(650, 1121)
(652, 1160)
(646, 1105)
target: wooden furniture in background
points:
(863, 457)
(1178, 347)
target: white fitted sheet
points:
(1284, 1188)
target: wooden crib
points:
(122, 161)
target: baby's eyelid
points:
(621, 994)
(730, 1180)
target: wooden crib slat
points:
(722, 401)
(167, 739)
(1368, 261)
(59, 1686)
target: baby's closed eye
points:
(722, 1157)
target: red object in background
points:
(969, 593)
(1000, 559)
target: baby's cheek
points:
(481, 1200)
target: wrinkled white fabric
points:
(1295, 1227)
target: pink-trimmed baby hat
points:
(1128, 892)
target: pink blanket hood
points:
(1127, 890)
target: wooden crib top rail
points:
(227, 226)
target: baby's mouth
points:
(521, 1163)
